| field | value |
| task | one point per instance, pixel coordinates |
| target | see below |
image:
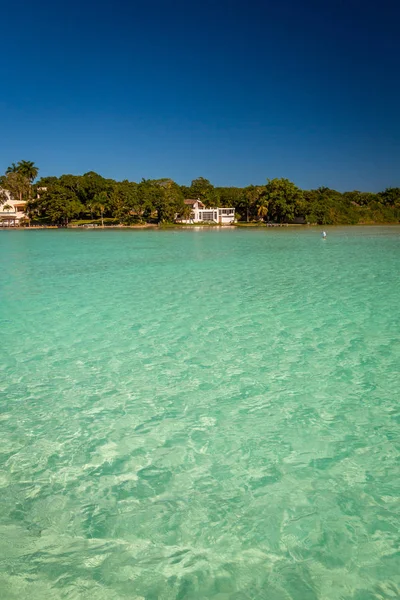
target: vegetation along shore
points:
(90, 199)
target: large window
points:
(208, 215)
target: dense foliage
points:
(59, 200)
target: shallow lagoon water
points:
(200, 414)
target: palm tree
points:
(6, 208)
(28, 169)
(262, 211)
(101, 205)
(17, 184)
(12, 169)
(91, 206)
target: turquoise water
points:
(194, 414)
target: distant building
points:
(201, 214)
(11, 211)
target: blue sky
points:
(237, 91)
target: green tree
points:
(101, 204)
(88, 186)
(230, 196)
(56, 204)
(28, 169)
(317, 206)
(254, 203)
(357, 198)
(12, 169)
(20, 177)
(200, 188)
(390, 196)
(124, 202)
(283, 198)
(169, 203)
(147, 194)
(17, 184)
(212, 198)
(186, 191)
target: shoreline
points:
(196, 226)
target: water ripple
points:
(190, 415)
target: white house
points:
(201, 214)
(11, 211)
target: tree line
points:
(60, 200)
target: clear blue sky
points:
(233, 91)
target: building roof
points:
(191, 202)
